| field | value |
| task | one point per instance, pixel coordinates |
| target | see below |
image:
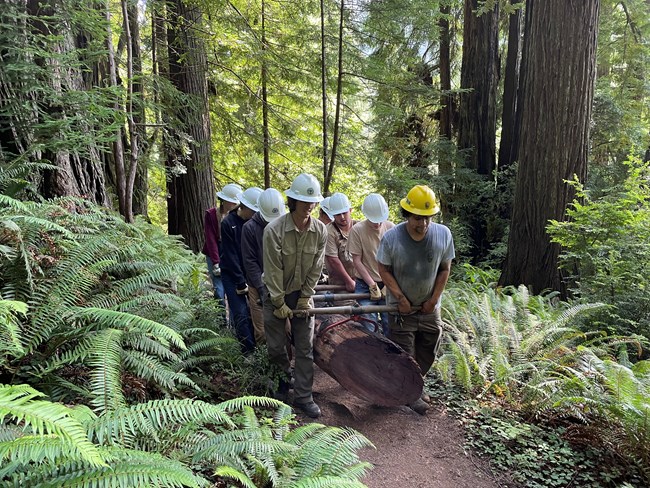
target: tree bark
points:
(507, 153)
(557, 86)
(265, 104)
(445, 79)
(191, 188)
(323, 71)
(368, 365)
(479, 75)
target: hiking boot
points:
(419, 406)
(309, 408)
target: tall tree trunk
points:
(192, 192)
(557, 86)
(323, 71)
(79, 166)
(507, 153)
(141, 186)
(445, 77)
(339, 101)
(479, 75)
(265, 103)
(477, 125)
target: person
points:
(414, 263)
(294, 249)
(338, 259)
(232, 266)
(227, 199)
(323, 211)
(271, 206)
(363, 244)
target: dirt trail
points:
(412, 451)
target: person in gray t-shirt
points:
(414, 263)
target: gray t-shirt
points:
(415, 263)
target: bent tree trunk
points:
(557, 86)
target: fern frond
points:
(154, 416)
(19, 404)
(149, 368)
(105, 378)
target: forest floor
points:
(411, 450)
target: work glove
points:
(284, 312)
(242, 289)
(383, 292)
(216, 270)
(304, 303)
(375, 293)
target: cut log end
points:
(368, 365)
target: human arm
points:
(212, 234)
(386, 273)
(337, 271)
(439, 285)
(314, 272)
(251, 249)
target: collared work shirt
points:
(292, 260)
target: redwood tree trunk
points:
(479, 74)
(557, 86)
(192, 188)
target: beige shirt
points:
(337, 246)
(292, 260)
(364, 242)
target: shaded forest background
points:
(530, 119)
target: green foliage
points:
(605, 249)
(523, 353)
(170, 443)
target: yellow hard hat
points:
(420, 200)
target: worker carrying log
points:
(293, 254)
(414, 263)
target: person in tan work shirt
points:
(293, 251)
(338, 259)
(364, 242)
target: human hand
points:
(403, 305)
(350, 285)
(375, 293)
(242, 289)
(284, 312)
(428, 306)
(216, 270)
(304, 303)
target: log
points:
(368, 365)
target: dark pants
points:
(241, 318)
(419, 335)
(302, 330)
(380, 318)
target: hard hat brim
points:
(225, 197)
(303, 198)
(418, 211)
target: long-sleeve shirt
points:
(212, 232)
(292, 260)
(251, 250)
(230, 248)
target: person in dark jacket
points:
(212, 231)
(232, 266)
(271, 206)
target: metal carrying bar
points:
(333, 297)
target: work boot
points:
(309, 408)
(282, 393)
(419, 406)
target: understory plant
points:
(525, 354)
(170, 443)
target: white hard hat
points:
(339, 204)
(325, 206)
(230, 192)
(249, 197)
(271, 204)
(375, 208)
(305, 188)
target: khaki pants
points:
(257, 315)
(302, 330)
(419, 335)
